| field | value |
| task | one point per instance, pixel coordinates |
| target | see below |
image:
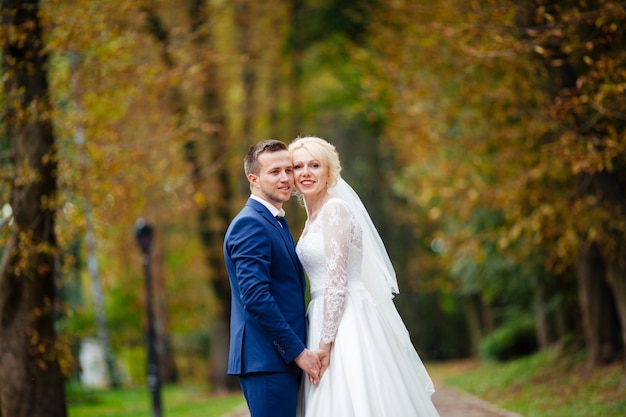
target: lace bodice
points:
(330, 251)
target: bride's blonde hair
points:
(324, 152)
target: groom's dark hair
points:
(251, 160)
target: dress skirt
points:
(374, 369)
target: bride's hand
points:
(324, 355)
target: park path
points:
(449, 402)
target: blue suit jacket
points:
(268, 311)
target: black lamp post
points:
(143, 233)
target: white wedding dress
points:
(374, 369)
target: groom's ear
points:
(253, 180)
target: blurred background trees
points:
(486, 138)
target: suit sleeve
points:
(251, 252)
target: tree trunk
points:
(90, 238)
(221, 286)
(272, 102)
(472, 309)
(244, 16)
(541, 317)
(610, 189)
(596, 306)
(296, 51)
(31, 375)
(616, 273)
(489, 321)
(98, 298)
(215, 184)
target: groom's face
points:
(274, 181)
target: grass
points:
(179, 401)
(548, 384)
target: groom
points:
(268, 312)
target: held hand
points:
(310, 363)
(324, 355)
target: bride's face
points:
(311, 176)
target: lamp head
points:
(143, 234)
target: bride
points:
(370, 368)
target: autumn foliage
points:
(486, 137)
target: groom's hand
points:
(310, 363)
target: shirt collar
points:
(275, 212)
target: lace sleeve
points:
(337, 227)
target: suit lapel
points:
(288, 239)
(291, 246)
